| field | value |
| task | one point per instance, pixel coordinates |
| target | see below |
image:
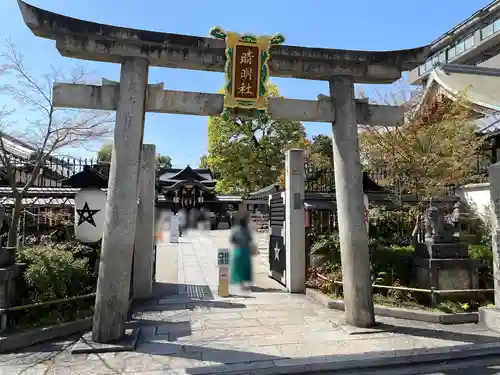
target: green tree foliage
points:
(204, 161)
(435, 147)
(322, 144)
(163, 161)
(104, 155)
(322, 151)
(248, 154)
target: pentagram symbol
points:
(277, 252)
(86, 215)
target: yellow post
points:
(223, 264)
(224, 281)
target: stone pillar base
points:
(447, 274)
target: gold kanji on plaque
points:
(246, 68)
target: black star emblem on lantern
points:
(86, 215)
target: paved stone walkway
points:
(190, 330)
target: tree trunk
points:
(14, 223)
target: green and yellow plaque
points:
(246, 68)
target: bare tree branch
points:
(51, 129)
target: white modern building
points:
(475, 41)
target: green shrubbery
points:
(483, 250)
(393, 260)
(55, 271)
(392, 264)
(392, 227)
(326, 247)
(391, 256)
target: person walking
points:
(241, 239)
(182, 221)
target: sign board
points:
(222, 257)
(90, 204)
(367, 212)
(246, 68)
(246, 72)
(174, 229)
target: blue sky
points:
(360, 24)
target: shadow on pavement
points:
(168, 296)
(224, 356)
(171, 340)
(232, 361)
(258, 289)
(483, 366)
(437, 334)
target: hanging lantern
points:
(90, 204)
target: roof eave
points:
(453, 94)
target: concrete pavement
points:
(483, 366)
(188, 329)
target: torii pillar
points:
(354, 253)
(115, 269)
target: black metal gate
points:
(277, 252)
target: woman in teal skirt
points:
(241, 238)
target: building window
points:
(435, 60)
(428, 65)
(486, 31)
(451, 53)
(421, 69)
(442, 56)
(469, 42)
(460, 47)
(496, 25)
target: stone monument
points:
(442, 261)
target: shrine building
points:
(192, 188)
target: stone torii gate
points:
(136, 50)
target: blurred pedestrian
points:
(241, 239)
(194, 215)
(182, 221)
(203, 220)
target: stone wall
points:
(477, 198)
